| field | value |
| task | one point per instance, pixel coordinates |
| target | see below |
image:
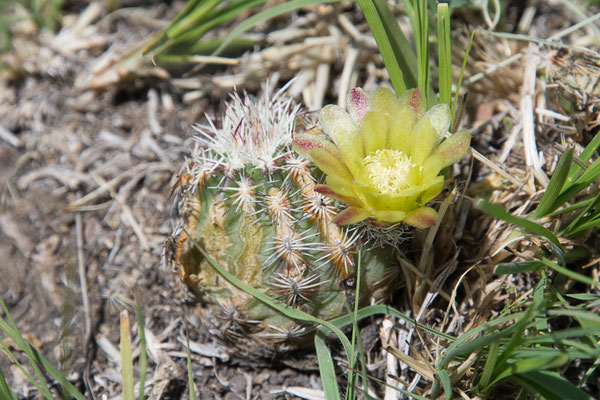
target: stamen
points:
(389, 170)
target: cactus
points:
(246, 198)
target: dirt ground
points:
(86, 167)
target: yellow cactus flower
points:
(383, 156)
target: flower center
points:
(389, 171)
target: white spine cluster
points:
(253, 131)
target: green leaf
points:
(501, 213)
(548, 202)
(444, 53)
(446, 382)
(551, 386)
(589, 218)
(517, 267)
(5, 392)
(188, 41)
(381, 34)
(326, 367)
(190, 372)
(585, 156)
(457, 116)
(36, 358)
(573, 207)
(126, 358)
(403, 51)
(530, 365)
(490, 363)
(143, 360)
(571, 274)
(265, 15)
(421, 32)
(590, 174)
(584, 296)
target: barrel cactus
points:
(249, 200)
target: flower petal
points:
(440, 117)
(340, 185)
(453, 148)
(431, 190)
(304, 142)
(351, 215)
(414, 100)
(390, 217)
(374, 131)
(432, 167)
(401, 128)
(358, 105)
(423, 217)
(383, 99)
(330, 163)
(423, 141)
(325, 190)
(338, 124)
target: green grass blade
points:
(456, 122)
(446, 382)
(470, 341)
(570, 274)
(551, 386)
(381, 35)
(574, 207)
(585, 156)
(570, 191)
(35, 358)
(403, 51)
(548, 202)
(162, 37)
(590, 174)
(578, 315)
(189, 42)
(517, 267)
(26, 373)
(195, 17)
(190, 372)
(16, 336)
(421, 32)
(533, 364)
(352, 376)
(587, 215)
(518, 330)
(265, 15)
(584, 296)
(500, 213)
(590, 372)
(143, 360)
(326, 367)
(5, 392)
(444, 53)
(369, 311)
(558, 336)
(489, 365)
(126, 358)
